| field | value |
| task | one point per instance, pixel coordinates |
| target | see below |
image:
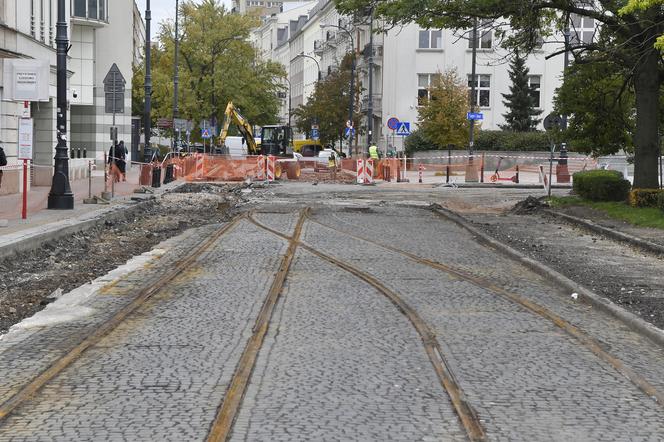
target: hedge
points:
(601, 185)
(644, 197)
(498, 140)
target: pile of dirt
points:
(29, 279)
(528, 206)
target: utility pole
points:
(566, 33)
(176, 75)
(147, 150)
(61, 196)
(370, 107)
(471, 172)
(473, 87)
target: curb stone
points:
(642, 244)
(34, 238)
(591, 298)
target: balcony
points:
(90, 12)
(377, 104)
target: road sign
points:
(205, 133)
(552, 121)
(114, 91)
(164, 123)
(25, 139)
(349, 132)
(315, 134)
(403, 128)
(475, 116)
(180, 124)
(393, 123)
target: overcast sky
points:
(163, 9)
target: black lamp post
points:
(61, 196)
(147, 151)
(176, 74)
(302, 54)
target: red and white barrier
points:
(260, 174)
(360, 171)
(365, 171)
(420, 168)
(369, 172)
(271, 164)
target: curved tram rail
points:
(108, 326)
(465, 411)
(539, 310)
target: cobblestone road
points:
(340, 361)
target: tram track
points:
(575, 332)
(466, 413)
(222, 426)
(64, 361)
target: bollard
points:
(516, 177)
(156, 176)
(168, 176)
(482, 169)
(420, 167)
(78, 152)
(85, 152)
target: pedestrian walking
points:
(114, 168)
(3, 162)
(121, 162)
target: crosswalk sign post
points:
(403, 128)
(205, 133)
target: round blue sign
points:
(393, 123)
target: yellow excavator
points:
(232, 115)
(275, 140)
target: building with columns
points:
(404, 61)
(101, 32)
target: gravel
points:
(626, 276)
(34, 279)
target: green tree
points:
(218, 64)
(520, 101)
(628, 38)
(328, 105)
(442, 118)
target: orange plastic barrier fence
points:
(217, 168)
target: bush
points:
(644, 197)
(601, 185)
(660, 200)
(502, 140)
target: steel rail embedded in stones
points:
(72, 355)
(467, 414)
(590, 343)
(223, 424)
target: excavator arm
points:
(231, 115)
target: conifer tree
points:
(520, 102)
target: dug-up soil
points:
(627, 276)
(31, 280)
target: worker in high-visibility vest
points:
(373, 152)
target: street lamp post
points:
(302, 54)
(147, 151)
(370, 107)
(352, 78)
(61, 196)
(176, 75)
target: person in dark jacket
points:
(121, 153)
(3, 162)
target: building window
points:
(582, 30)
(424, 83)
(90, 9)
(483, 38)
(430, 39)
(535, 84)
(482, 89)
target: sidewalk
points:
(38, 214)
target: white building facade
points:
(101, 32)
(404, 61)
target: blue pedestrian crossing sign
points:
(206, 133)
(349, 132)
(403, 128)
